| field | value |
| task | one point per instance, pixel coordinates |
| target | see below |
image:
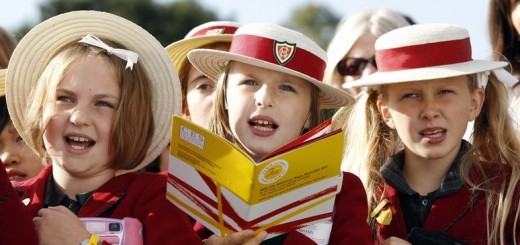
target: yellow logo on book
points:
(273, 172)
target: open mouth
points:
(433, 133)
(16, 176)
(263, 125)
(79, 143)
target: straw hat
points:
(41, 44)
(275, 48)
(207, 33)
(422, 52)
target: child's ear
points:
(477, 100)
(385, 114)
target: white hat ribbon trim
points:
(505, 77)
(129, 56)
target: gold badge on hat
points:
(383, 217)
(284, 51)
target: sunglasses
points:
(354, 66)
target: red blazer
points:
(349, 221)
(470, 228)
(141, 196)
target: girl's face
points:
(515, 17)
(199, 97)
(431, 116)
(78, 136)
(199, 94)
(19, 160)
(267, 109)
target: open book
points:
(218, 184)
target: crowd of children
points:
(88, 108)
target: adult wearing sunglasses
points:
(351, 50)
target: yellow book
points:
(218, 184)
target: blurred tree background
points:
(171, 21)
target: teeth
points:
(79, 139)
(263, 122)
(263, 128)
(435, 133)
(15, 178)
(77, 147)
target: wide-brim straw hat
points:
(199, 36)
(42, 43)
(275, 48)
(424, 52)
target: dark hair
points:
(503, 36)
(4, 114)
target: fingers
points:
(256, 239)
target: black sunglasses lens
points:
(351, 66)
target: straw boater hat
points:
(41, 44)
(207, 33)
(426, 51)
(275, 48)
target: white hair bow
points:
(129, 56)
(504, 76)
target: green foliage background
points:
(171, 21)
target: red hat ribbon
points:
(266, 49)
(424, 55)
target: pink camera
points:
(126, 231)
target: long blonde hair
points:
(370, 142)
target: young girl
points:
(269, 92)
(197, 89)
(405, 141)
(93, 93)
(20, 161)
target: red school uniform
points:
(461, 215)
(141, 196)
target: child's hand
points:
(58, 225)
(395, 241)
(246, 237)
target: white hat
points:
(44, 41)
(423, 52)
(275, 48)
(207, 33)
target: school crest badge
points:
(284, 51)
(215, 31)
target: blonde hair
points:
(370, 142)
(133, 123)
(219, 121)
(351, 28)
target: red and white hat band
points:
(279, 53)
(424, 55)
(215, 30)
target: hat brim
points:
(41, 44)
(213, 62)
(178, 51)
(427, 73)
